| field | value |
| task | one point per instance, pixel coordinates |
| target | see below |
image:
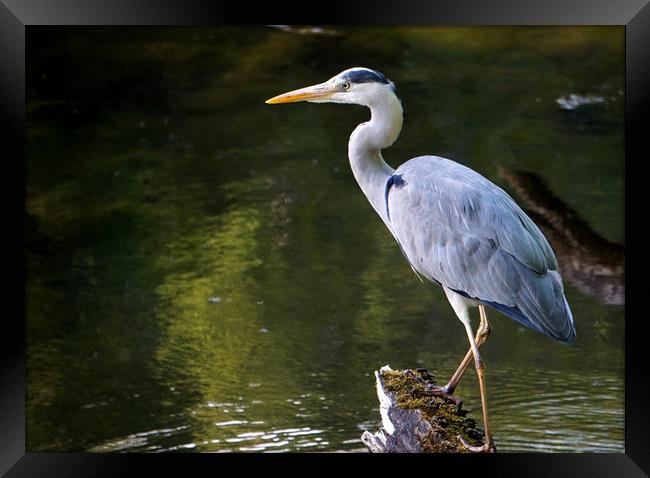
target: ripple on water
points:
(557, 416)
(296, 437)
(539, 411)
(142, 440)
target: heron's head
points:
(359, 86)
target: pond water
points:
(204, 274)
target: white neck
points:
(364, 149)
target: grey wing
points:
(457, 228)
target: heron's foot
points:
(487, 447)
(434, 390)
(444, 393)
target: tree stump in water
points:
(416, 418)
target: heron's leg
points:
(482, 334)
(461, 306)
(488, 446)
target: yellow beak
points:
(318, 92)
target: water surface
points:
(203, 273)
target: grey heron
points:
(453, 226)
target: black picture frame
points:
(16, 16)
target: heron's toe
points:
(444, 392)
(487, 447)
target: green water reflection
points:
(204, 274)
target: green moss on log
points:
(447, 418)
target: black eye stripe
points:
(365, 76)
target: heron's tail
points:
(542, 306)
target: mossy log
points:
(417, 418)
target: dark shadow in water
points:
(590, 262)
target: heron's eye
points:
(345, 85)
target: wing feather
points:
(457, 228)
